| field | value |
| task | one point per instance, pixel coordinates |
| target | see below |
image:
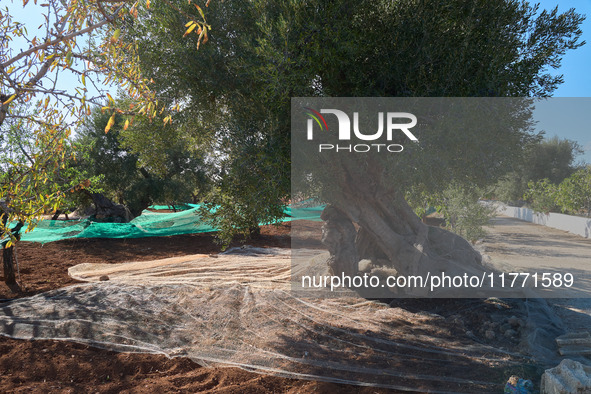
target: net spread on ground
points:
(148, 224)
(236, 309)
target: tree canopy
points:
(552, 159)
(177, 175)
(235, 92)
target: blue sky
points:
(577, 77)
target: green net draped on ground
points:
(148, 224)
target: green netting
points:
(305, 213)
(178, 207)
(148, 224)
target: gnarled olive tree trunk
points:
(108, 210)
(369, 221)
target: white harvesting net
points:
(237, 310)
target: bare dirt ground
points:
(53, 366)
(518, 246)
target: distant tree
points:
(574, 193)
(174, 176)
(542, 196)
(552, 159)
(460, 206)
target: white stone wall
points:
(573, 224)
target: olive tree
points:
(236, 96)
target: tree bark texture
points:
(108, 210)
(338, 234)
(8, 265)
(8, 253)
(389, 233)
